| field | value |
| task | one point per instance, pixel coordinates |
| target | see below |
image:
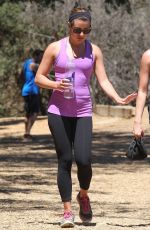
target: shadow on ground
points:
(28, 167)
(107, 148)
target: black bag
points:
(136, 150)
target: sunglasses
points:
(78, 30)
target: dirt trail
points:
(29, 198)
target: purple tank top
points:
(81, 104)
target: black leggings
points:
(72, 133)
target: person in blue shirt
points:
(30, 91)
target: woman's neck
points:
(75, 43)
(78, 50)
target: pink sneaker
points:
(85, 211)
(68, 220)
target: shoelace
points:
(68, 215)
(85, 204)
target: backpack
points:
(21, 78)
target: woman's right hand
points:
(63, 84)
(138, 130)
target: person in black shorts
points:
(30, 91)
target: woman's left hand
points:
(128, 99)
(138, 130)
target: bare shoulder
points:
(96, 51)
(146, 57)
(53, 49)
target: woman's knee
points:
(83, 163)
(65, 164)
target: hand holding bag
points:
(136, 150)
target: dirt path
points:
(29, 198)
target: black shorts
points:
(32, 104)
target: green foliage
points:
(10, 36)
(114, 4)
(19, 35)
(9, 16)
(44, 3)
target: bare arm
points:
(45, 67)
(142, 93)
(104, 81)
